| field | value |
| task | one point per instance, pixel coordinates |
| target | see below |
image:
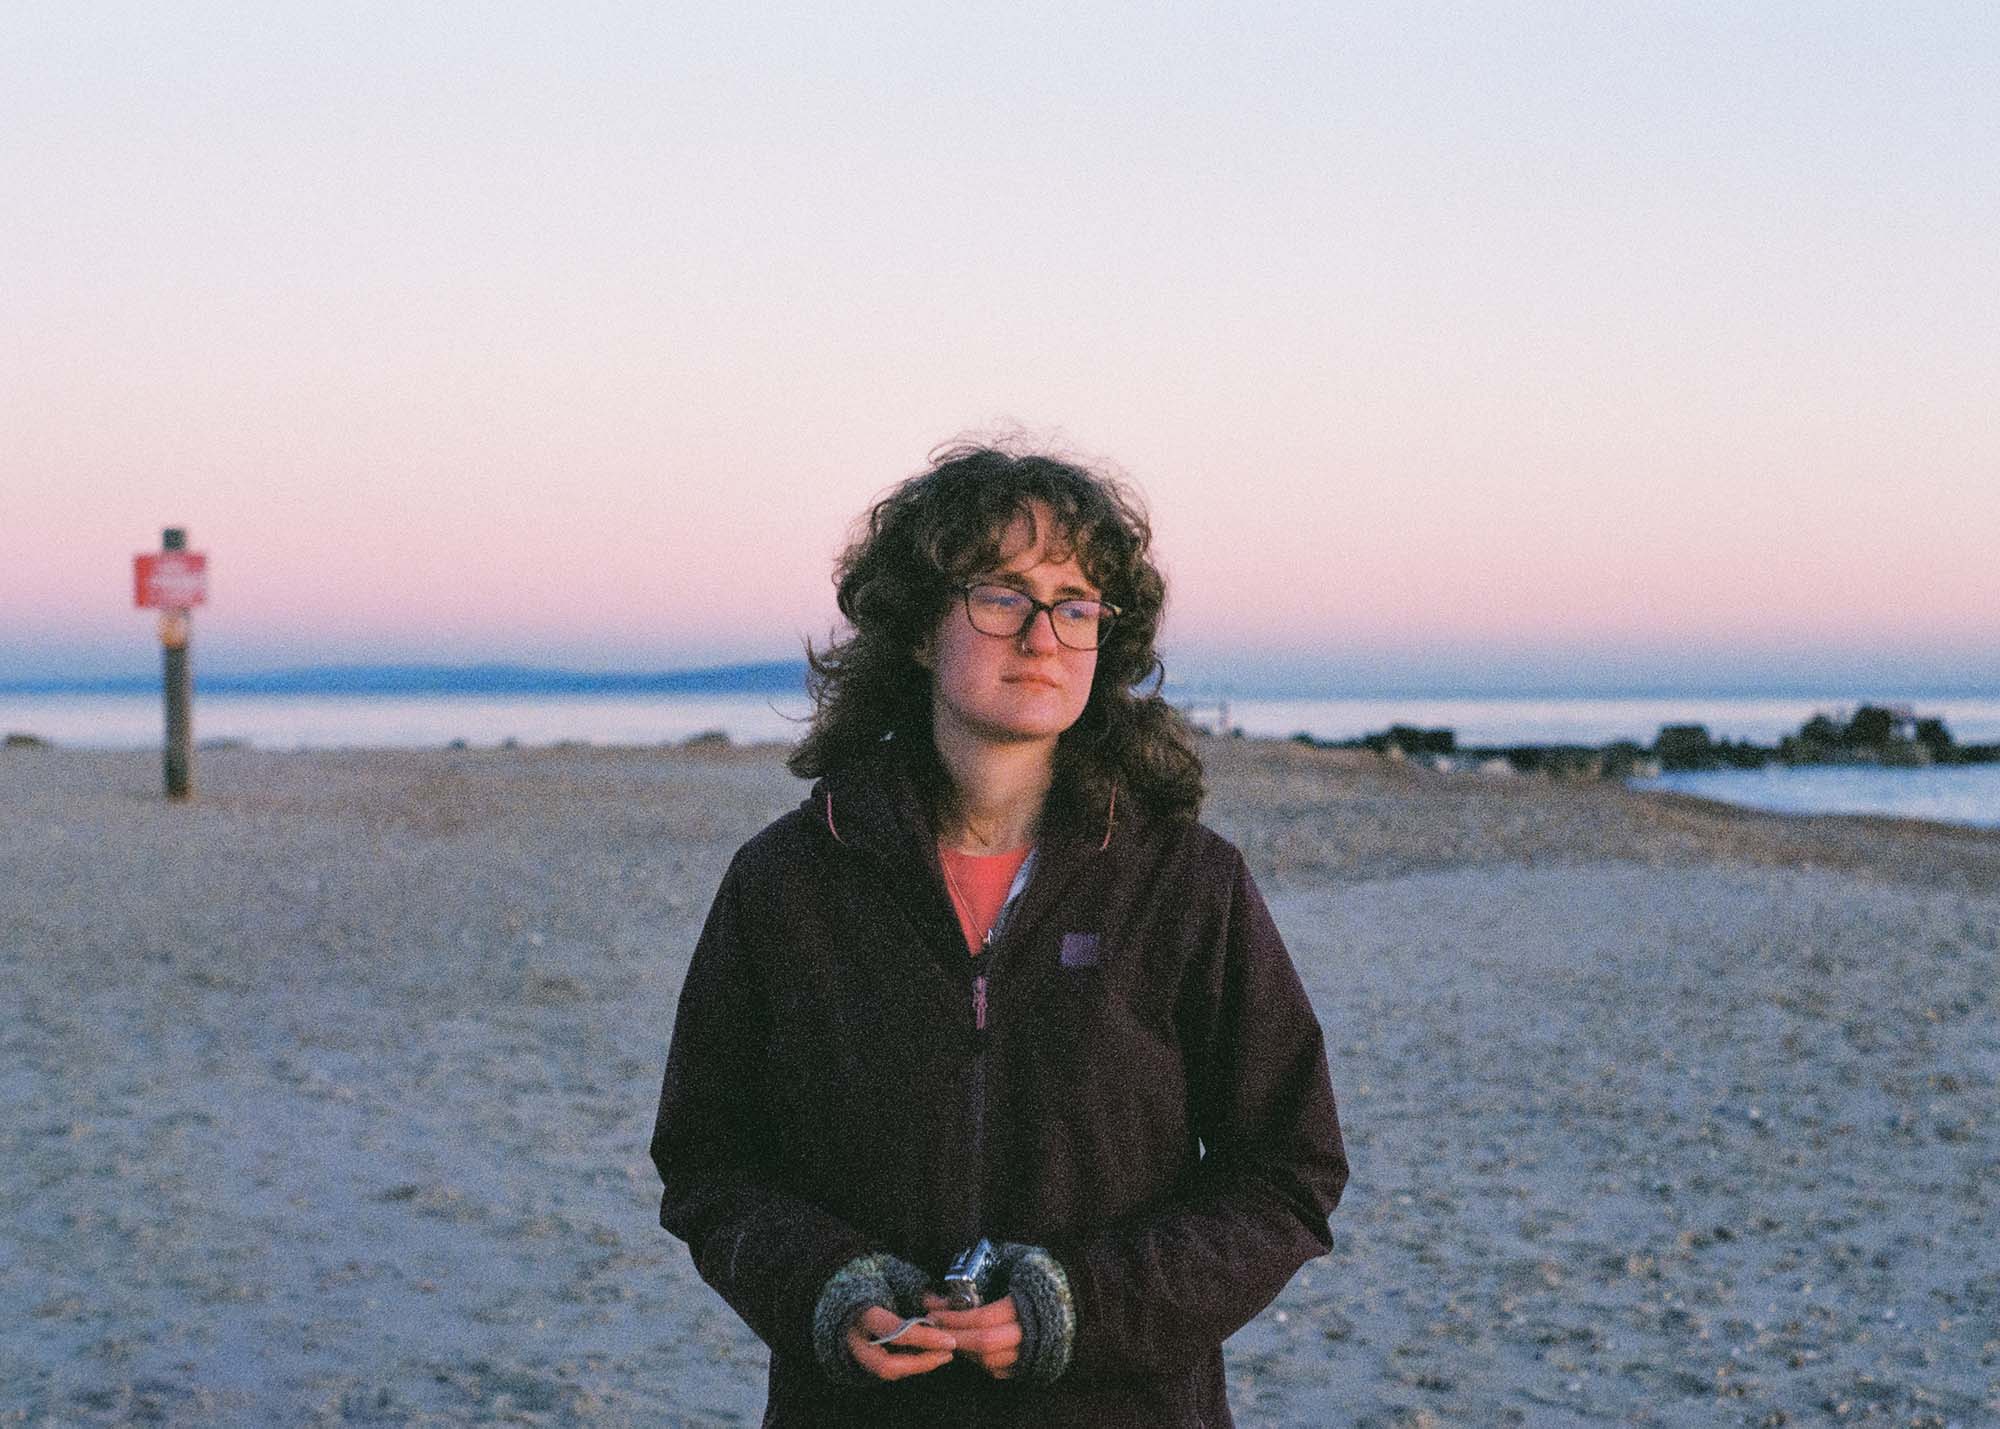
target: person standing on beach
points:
(993, 1095)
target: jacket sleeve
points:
(768, 1252)
(1167, 1286)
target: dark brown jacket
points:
(1148, 1098)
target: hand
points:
(989, 1336)
(918, 1350)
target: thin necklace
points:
(958, 899)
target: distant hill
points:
(775, 677)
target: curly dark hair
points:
(897, 577)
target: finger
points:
(891, 1362)
(988, 1342)
(935, 1301)
(918, 1339)
(901, 1332)
(1000, 1363)
(877, 1322)
(980, 1314)
(888, 1364)
(920, 1349)
(999, 1312)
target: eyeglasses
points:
(1005, 613)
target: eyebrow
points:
(1065, 592)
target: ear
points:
(924, 655)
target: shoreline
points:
(1543, 721)
(1968, 793)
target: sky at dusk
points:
(1456, 347)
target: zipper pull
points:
(979, 1003)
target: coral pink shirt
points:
(979, 884)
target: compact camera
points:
(967, 1274)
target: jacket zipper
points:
(975, 1161)
(976, 1080)
(982, 1008)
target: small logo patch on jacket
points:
(1079, 950)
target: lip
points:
(1044, 681)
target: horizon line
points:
(769, 676)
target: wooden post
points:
(175, 629)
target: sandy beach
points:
(329, 1095)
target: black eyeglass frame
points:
(1107, 613)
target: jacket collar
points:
(877, 803)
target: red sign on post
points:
(170, 580)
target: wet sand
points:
(329, 1095)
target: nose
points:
(1040, 633)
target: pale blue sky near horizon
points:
(1600, 346)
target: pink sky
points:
(1658, 344)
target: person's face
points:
(1029, 687)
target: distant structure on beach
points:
(1889, 735)
(1877, 734)
(1440, 751)
(1886, 735)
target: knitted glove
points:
(877, 1279)
(1043, 1305)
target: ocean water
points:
(1965, 794)
(407, 721)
